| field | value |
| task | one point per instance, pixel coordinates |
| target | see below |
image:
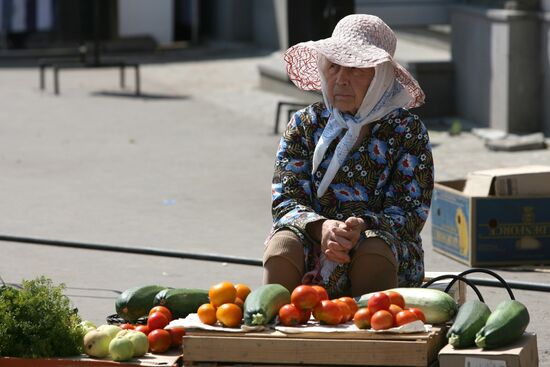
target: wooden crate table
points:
(342, 348)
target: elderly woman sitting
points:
(353, 175)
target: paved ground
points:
(186, 167)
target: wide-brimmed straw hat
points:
(358, 40)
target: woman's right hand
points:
(335, 242)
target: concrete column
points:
(144, 17)
(545, 67)
(496, 54)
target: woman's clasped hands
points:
(339, 238)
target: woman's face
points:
(347, 86)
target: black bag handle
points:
(486, 271)
(455, 277)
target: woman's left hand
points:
(353, 228)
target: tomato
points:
(157, 320)
(362, 317)
(207, 314)
(379, 301)
(143, 328)
(346, 311)
(322, 292)
(221, 293)
(328, 312)
(418, 312)
(290, 315)
(304, 297)
(242, 291)
(163, 310)
(176, 335)
(229, 314)
(305, 315)
(127, 326)
(159, 340)
(351, 303)
(394, 310)
(396, 298)
(381, 320)
(405, 317)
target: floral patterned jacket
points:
(387, 180)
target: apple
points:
(96, 343)
(121, 348)
(140, 342)
(112, 330)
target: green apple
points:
(112, 330)
(140, 342)
(96, 343)
(121, 348)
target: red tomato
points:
(305, 315)
(381, 320)
(396, 298)
(157, 320)
(321, 291)
(394, 310)
(304, 297)
(379, 301)
(290, 315)
(176, 335)
(351, 303)
(159, 340)
(362, 317)
(162, 309)
(405, 317)
(418, 312)
(127, 326)
(143, 328)
(328, 312)
(346, 311)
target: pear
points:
(138, 339)
(112, 330)
(96, 343)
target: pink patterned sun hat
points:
(358, 40)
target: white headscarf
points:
(384, 95)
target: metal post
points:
(55, 80)
(42, 77)
(122, 80)
(138, 82)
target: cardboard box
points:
(523, 353)
(514, 181)
(488, 230)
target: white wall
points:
(146, 17)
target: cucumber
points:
(263, 304)
(471, 317)
(437, 306)
(504, 326)
(181, 301)
(136, 302)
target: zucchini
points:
(263, 304)
(136, 302)
(471, 317)
(504, 326)
(437, 306)
(181, 301)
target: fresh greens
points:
(37, 321)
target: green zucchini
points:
(504, 326)
(263, 304)
(437, 306)
(181, 301)
(471, 317)
(136, 302)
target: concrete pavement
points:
(185, 167)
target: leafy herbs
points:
(37, 321)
